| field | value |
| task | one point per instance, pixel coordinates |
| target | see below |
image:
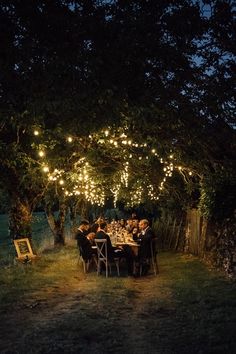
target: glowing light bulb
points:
(61, 182)
(45, 169)
(69, 139)
(36, 132)
(41, 153)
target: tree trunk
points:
(57, 226)
(84, 209)
(73, 219)
(20, 219)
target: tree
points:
(83, 66)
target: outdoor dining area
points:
(107, 247)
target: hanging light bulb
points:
(45, 169)
(41, 153)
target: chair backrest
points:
(101, 248)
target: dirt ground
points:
(174, 312)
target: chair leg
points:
(140, 269)
(95, 261)
(98, 267)
(153, 265)
(84, 266)
(134, 267)
(106, 263)
(117, 267)
(157, 267)
(87, 266)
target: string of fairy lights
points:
(82, 180)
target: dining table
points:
(126, 241)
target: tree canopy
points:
(161, 73)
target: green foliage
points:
(218, 199)
(78, 69)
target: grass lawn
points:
(51, 306)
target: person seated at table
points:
(113, 252)
(100, 219)
(144, 239)
(92, 233)
(129, 226)
(122, 223)
(135, 223)
(135, 233)
(83, 243)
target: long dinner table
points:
(120, 240)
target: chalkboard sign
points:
(23, 248)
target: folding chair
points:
(102, 257)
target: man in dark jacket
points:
(83, 243)
(102, 234)
(145, 238)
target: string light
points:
(45, 169)
(41, 153)
(92, 191)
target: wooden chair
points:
(152, 260)
(103, 259)
(87, 262)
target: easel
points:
(24, 251)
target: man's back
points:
(84, 245)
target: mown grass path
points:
(52, 307)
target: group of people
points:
(140, 231)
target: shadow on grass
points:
(185, 309)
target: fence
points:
(192, 233)
(187, 232)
